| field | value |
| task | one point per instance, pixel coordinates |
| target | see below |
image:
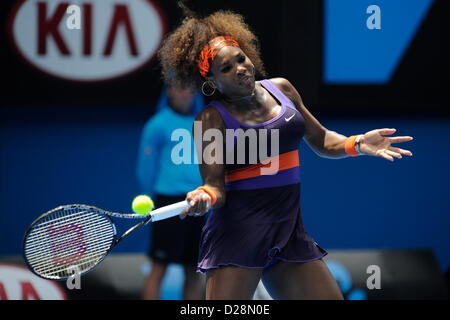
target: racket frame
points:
(109, 215)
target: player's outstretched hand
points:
(375, 143)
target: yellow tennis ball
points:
(142, 205)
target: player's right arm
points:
(212, 172)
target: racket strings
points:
(69, 256)
(58, 240)
(57, 216)
(53, 261)
(66, 238)
(36, 237)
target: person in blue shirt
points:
(172, 240)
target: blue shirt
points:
(157, 173)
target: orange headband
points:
(210, 51)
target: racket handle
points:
(169, 211)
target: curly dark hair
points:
(181, 48)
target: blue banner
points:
(364, 40)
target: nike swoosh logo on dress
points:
(288, 119)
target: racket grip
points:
(169, 211)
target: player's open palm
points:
(375, 143)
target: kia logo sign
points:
(113, 38)
(18, 283)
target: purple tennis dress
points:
(261, 220)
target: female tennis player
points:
(255, 230)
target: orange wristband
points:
(210, 193)
(350, 146)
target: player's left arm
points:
(330, 144)
(324, 142)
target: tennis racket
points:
(79, 237)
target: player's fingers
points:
(192, 200)
(183, 214)
(387, 131)
(189, 197)
(207, 200)
(394, 154)
(202, 205)
(400, 139)
(195, 205)
(401, 151)
(385, 155)
(199, 202)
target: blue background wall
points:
(363, 202)
(66, 142)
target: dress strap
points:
(274, 90)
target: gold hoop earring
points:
(203, 89)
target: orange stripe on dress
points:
(286, 160)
